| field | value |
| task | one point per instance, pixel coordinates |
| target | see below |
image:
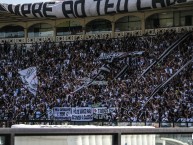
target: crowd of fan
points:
(63, 69)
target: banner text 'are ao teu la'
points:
(86, 8)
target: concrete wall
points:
(120, 135)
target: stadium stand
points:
(63, 70)
(128, 67)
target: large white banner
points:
(82, 114)
(29, 78)
(85, 8)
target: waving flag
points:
(29, 78)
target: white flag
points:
(29, 78)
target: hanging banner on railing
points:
(62, 113)
(103, 113)
(100, 113)
(82, 114)
(85, 8)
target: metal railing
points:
(9, 123)
(114, 135)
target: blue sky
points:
(21, 1)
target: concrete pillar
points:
(143, 25)
(54, 35)
(83, 31)
(176, 19)
(113, 29)
(117, 139)
(25, 35)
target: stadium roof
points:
(6, 17)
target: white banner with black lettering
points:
(29, 78)
(62, 113)
(100, 113)
(105, 56)
(82, 114)
(85, 8)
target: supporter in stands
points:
(64, 69)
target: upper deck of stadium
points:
(20, 29)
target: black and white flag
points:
(29, 78)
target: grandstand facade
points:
(19, 29)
